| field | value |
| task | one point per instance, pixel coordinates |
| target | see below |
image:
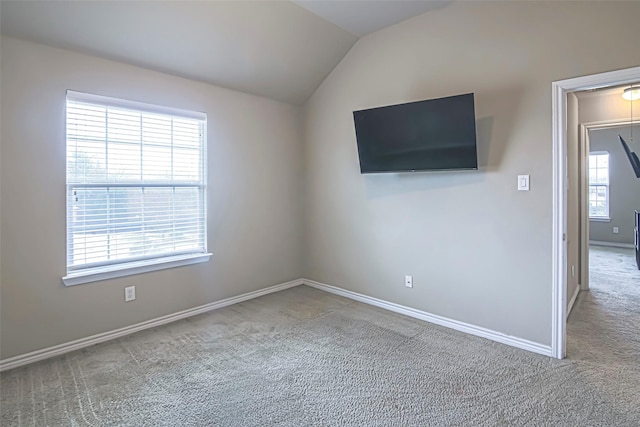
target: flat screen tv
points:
(435, 134)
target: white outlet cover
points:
(408, 281)
(129, 293)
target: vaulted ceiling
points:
(362, 17)
(278, 49)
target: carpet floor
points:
(303, 357)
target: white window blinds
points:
(135, 182)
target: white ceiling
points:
(275, 49)
(362, 17)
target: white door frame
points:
(559, 222)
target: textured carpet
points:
(604, 325)
(303, 357)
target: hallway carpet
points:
(604, 325)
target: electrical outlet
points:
(129, 293)
(408, 281)
(616, 230)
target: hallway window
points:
(599, 185)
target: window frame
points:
(76, 276)
(605, 217)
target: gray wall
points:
(573, 196)
(606, 106)
(479, 251)
(254, 168)
(624, 187)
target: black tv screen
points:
(435, 134)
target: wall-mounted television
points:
(434, 134)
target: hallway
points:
(604, 325)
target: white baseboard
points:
(573, 300)
(438, 320)
(611, 244)
(34, 356)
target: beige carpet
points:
(604, 327)
(303, 357)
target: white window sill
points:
(131, 268)
(600, 219)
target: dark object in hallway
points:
(636, 241)
(633, 158)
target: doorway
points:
(609, 221)
(560, 90)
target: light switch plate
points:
(523, 182)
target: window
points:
(135, 188)
(599, 185)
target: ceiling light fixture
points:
(631, 93)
